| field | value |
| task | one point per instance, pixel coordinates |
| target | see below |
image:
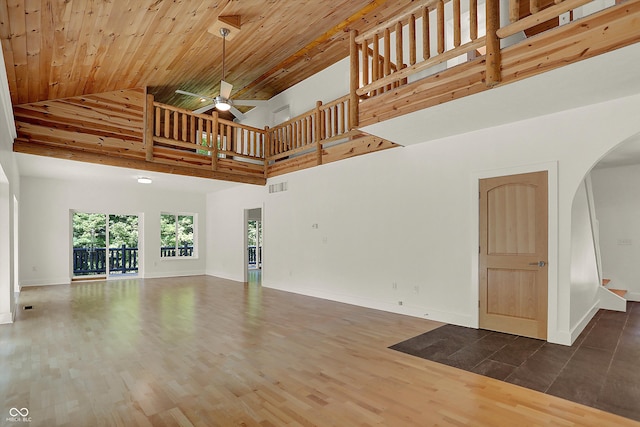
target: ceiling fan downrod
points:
(224, 32)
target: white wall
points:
(409, 216)
(617, 199)
(9, 191)
(45, 225)
(326, 86)
(584, 272)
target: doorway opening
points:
(104, 245)
(253, 234)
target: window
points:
(177, 235)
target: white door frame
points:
(245, 241)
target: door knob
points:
(539, 263)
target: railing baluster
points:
(158, 121)
(176, 126)
(375, 61)
(318, 131)
(399, 47)
(514, 10)
(456, 23)
(387, 55)
(242, 141)
(533, 6)
(214, 141)
(412, 39)
(184, 127)
(473, 17)
(426, 34)
(167, 123)
(364, 49)
(440, 28)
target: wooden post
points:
(214, 142)
(148, 128)
(318, 139)
(267, 150)
(493, 75)
(355, 82)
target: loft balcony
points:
(433, 52)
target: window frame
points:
(176, 248)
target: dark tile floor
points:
(601, 369)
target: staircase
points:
(612, 299)
(620, 292)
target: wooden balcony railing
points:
(203, 141)
(440, 50)
(310, 131)
(180, 137)
(409, 43)
(432, 52)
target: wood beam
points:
(24, 146)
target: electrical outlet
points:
(400, 303)
(394, 285)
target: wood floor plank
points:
(202, 351)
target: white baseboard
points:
(405, 309)
(577, 330)
(225, 276)
(6, 318)
(633, 296)
(160, 275)
(45, 282)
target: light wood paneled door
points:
(513, 254)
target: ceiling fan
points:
(222, 102)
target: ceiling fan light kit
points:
(222, 104)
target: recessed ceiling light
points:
(144, 180)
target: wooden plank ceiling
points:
(58, 49)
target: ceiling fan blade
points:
(184, 92)
(204, 109)
(237, 113)
(249, 102)
(225, 89)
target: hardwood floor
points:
(203, 351)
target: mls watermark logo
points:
(19, 415)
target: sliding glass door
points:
(104, 245)
(123, 245)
